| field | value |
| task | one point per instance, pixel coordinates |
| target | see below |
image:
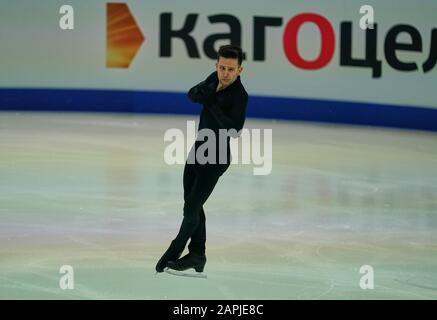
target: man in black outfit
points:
(224, 101)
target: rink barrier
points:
(326, 111)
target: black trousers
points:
(199, 182)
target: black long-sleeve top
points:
(224, 109)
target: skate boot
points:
(190, 261)
(172, 253)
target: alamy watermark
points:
(256, 147)
(367, 280)
(67, 279)
(367, 21)
(66, 22)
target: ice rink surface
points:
(92, 191)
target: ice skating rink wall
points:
(305, 60)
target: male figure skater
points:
(224, 101)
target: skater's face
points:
(228, 71)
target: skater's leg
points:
(191, 176)
(204, 184)
(198, 239)
(177, 247)
(198, 185)
(189, 179)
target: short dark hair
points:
(231, 52)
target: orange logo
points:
(123, 37)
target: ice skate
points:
(191, 265)
(172, 253)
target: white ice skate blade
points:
(187, 273)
